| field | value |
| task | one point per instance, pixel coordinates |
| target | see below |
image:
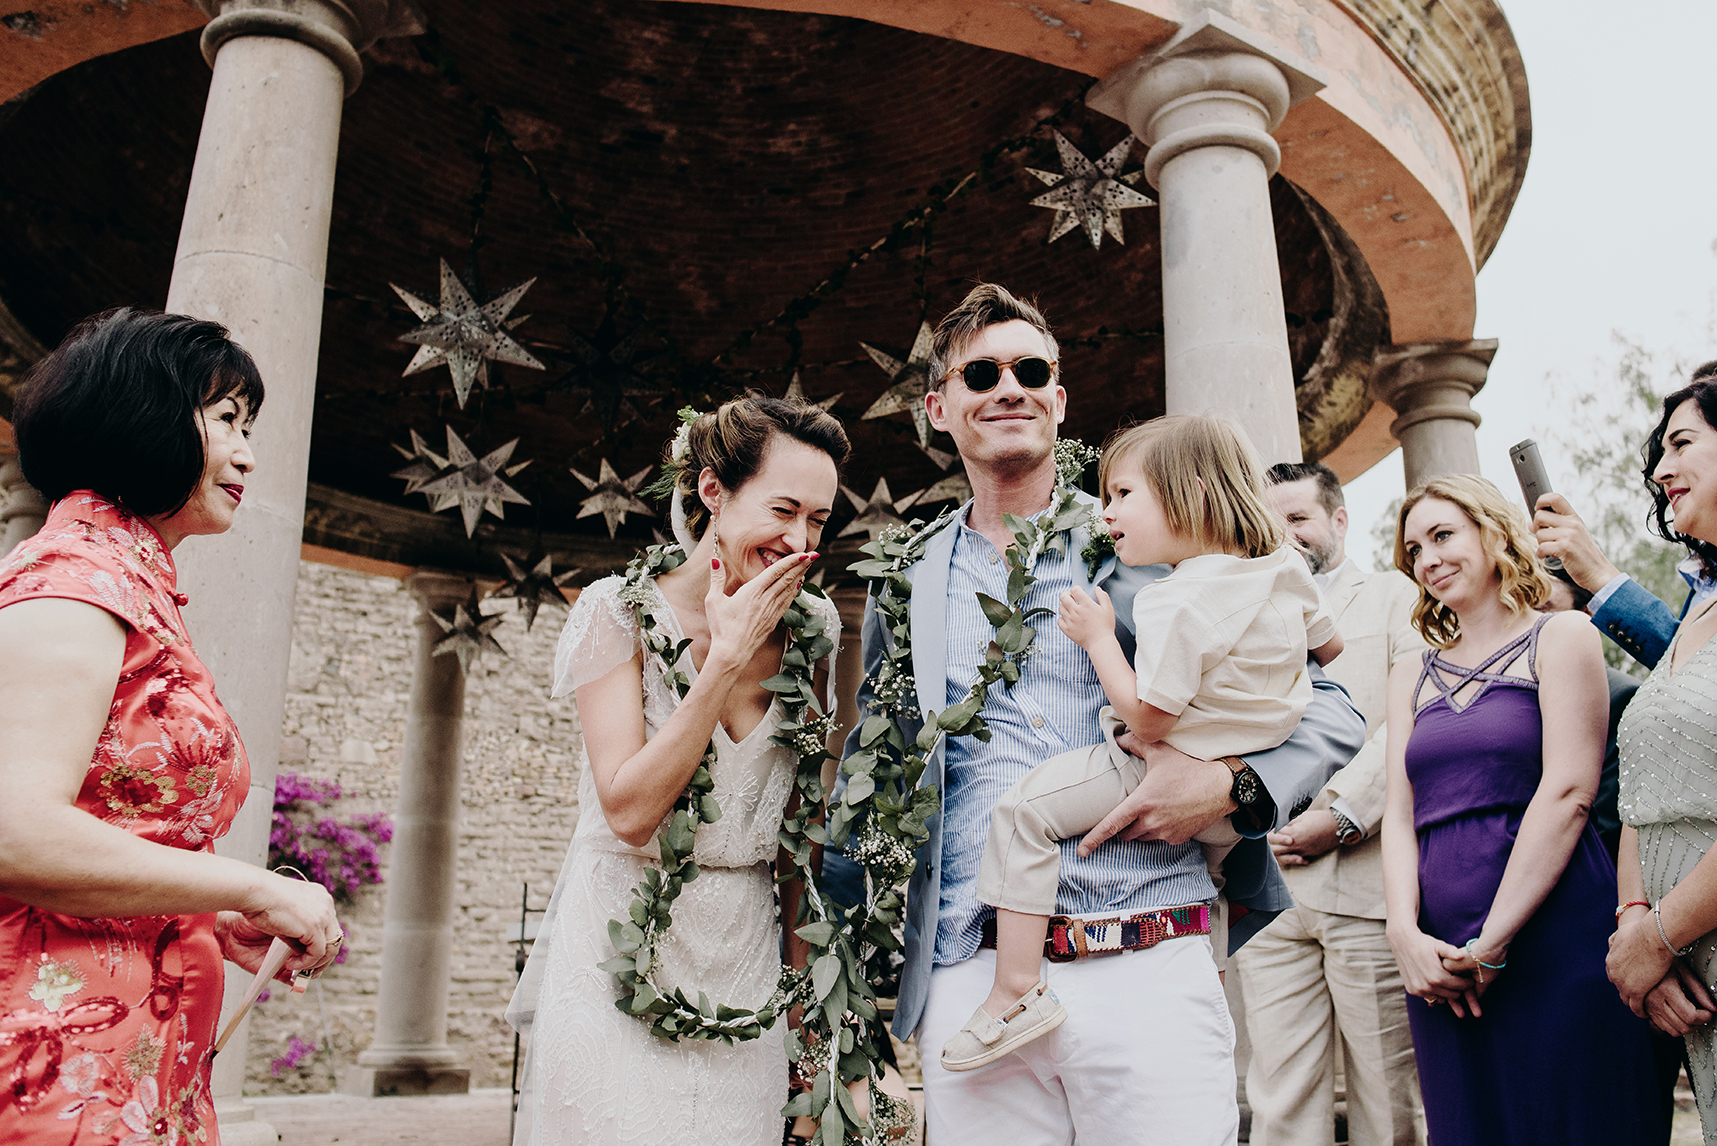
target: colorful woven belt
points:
(1072, 938)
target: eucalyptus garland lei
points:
(881, 818)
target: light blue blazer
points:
(1327, 738)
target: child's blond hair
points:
(1207, 476)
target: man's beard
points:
(1321, 558)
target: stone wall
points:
(345, 721)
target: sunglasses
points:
(982, 375)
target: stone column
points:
(22, 509)
(409, 1054)
(252, 250)
(1205, 104)
(1430, 386)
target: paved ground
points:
(480, 1119)
(475, 1119)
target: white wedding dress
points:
(594, 1076)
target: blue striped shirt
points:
(1052, 709)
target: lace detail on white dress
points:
(594, 1075)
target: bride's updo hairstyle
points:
(734, 440)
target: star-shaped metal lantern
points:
(467, 633)
(1090, 195)
(608, 370)
(612, 497)
(796, 389)
(911, 381)
(533, 585)
(954, 487)
(880, 512)
(426, 465)
(465, 336)
(462, 478)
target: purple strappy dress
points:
(1556, 1056)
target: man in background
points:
(1325, 966)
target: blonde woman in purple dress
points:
(1499, 891)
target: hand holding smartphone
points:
(1534, 481)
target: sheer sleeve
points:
(599, 634)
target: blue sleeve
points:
(1640, 624)
(1328, 736)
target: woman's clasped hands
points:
(1653, 982)
(1442, 973)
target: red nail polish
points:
(714, 563)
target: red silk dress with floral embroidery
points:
(106, 1024)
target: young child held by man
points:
(1220, 670)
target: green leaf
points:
(874, 728)
(819, 934)
(799, 1106)
(825, 973)
(997, 612)
(860, 787)
(1018, 582)
(781, 682)
(618, 965)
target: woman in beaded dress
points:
(1663, 958)
(120, 767)
(1498, 888)
(755, 492)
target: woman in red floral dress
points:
(118, 766)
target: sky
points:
(1614, 231)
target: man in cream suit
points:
(1325, 966)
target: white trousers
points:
(1305, 977)
(1145, 1058)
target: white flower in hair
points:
(681, 450)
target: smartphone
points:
(1534, 481)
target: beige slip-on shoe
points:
(983, 1039)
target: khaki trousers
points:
(1059, 799)
(1304, 977)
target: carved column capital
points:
(1427, 380)
(438, 590)
(1430, 386)
(339, 29)
(1216, 82)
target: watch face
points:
(1245, 787)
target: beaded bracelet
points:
(1483, 966)
(1664, 935)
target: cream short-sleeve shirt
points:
(1222, 641)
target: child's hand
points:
(1086, 621)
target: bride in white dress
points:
(756, 492)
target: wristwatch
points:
(1346, 831)
(1256, 811)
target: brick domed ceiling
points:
(689, 185)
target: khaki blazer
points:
(1374, 613)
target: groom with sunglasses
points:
(1147, 1052)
